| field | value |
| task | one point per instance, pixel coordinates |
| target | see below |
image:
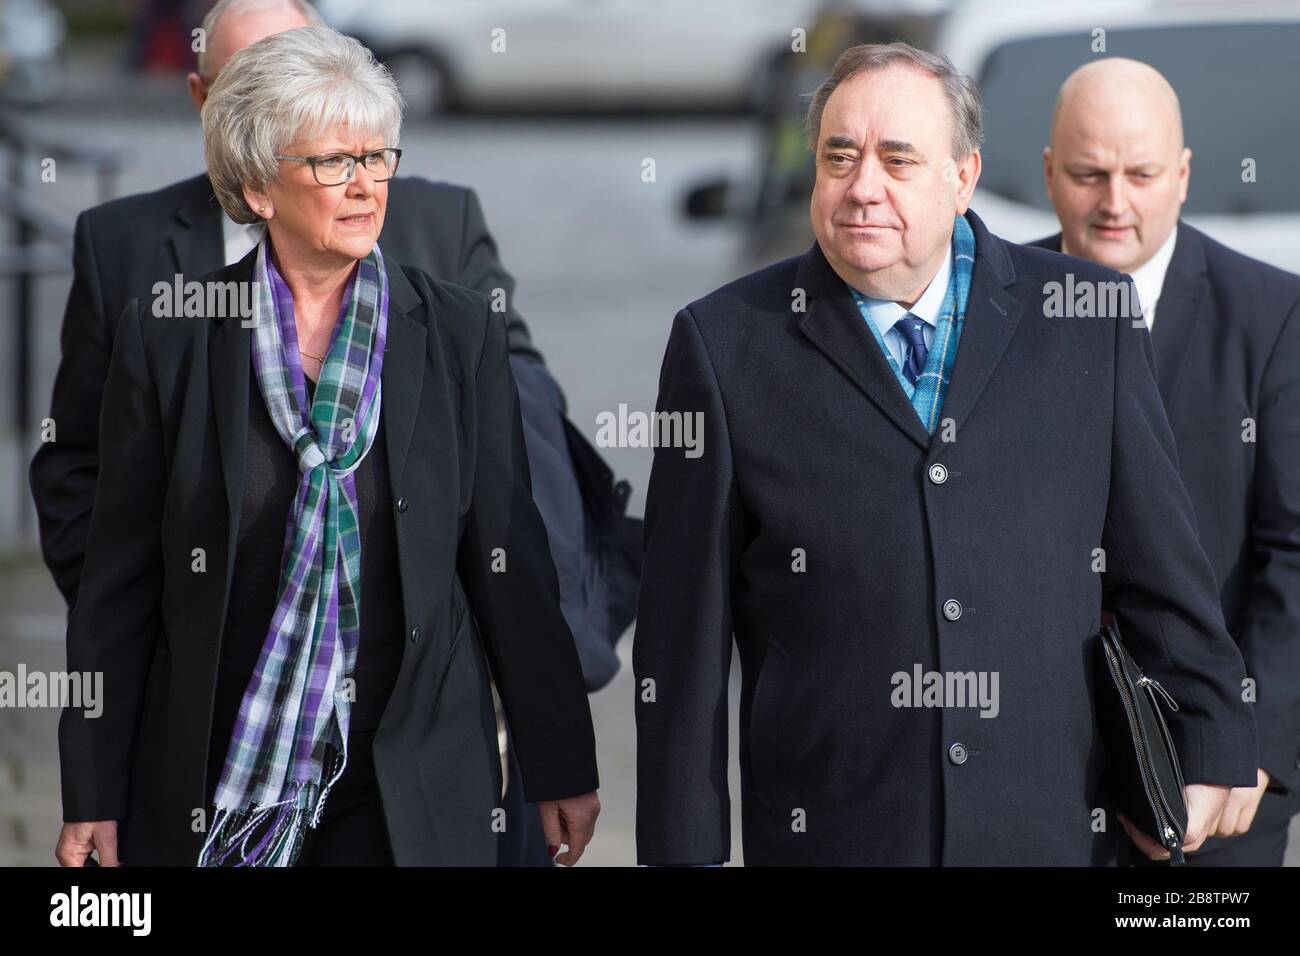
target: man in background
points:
(1227, 350)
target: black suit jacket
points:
(125, 246)
(1227, 348)
(173, 440)
(819, 528)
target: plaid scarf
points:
(289, 744)
(932, 384)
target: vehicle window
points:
(1236, 83)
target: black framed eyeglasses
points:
(334, 169)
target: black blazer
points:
(173, 437)
(841, 545)
(1227, 348)
(436, 227)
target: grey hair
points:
(224, 7)
(963, 95)
(294, 85)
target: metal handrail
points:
(22, 207)
(43, 246)
(14, 130)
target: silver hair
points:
(224, 7)
(963, 94)
(294, 85)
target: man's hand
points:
(1243, 802)
(1205, 802)
(569, 822)
(76, 840)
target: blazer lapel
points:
(402, 376)
(835, 326)
(992, 315)
(1182, 302)
(229, 367)
(198, 246)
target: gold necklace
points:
(318, 358)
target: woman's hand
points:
(570, 822)
(76, 840)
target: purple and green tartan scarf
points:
(289, 744)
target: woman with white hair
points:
(313, 531)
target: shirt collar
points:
(1150, 276)
(231, 229)
(238, 239)
(229, 225)
(884, 313)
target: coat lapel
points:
(992, 315)
(229, 367)
(197, 245)
(1183, 300)
(403, 373)
(835, 326)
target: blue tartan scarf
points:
(932, 384)
(289, 744)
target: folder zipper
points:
(1168, 835)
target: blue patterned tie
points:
(910, 328)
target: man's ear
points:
(968, 174)
(1047, 171)
(198, 90)
(1184, 173)
(259, 202)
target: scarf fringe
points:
(282, 841)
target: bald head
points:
(1119, 91)
(232, 25)
(1116, 168)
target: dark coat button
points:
(415, 635)
(401, 504)
(952, 609)
(938, 473)
(957, 754)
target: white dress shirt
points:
(884, 313)
(237, 239)
(1150, 277)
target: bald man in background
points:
(1226, 335)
